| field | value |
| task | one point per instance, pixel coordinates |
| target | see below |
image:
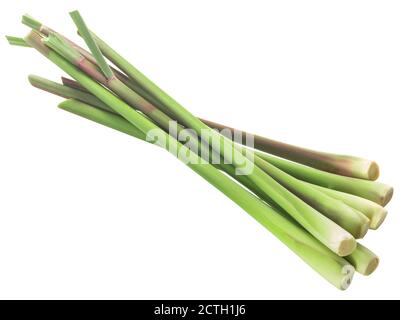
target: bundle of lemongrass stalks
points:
(316, 203)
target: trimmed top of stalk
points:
(31, 22)
(94, 49)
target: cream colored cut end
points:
(346, 246)
(348, 272)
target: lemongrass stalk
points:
(364, 260)
(336, 270)
(16, 41)
(375, 191)
(334, 163)
(373, 211)
(346, 217)
(361, 258)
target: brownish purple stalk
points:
(339, 164)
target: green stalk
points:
(335, 269)
(375, 191)
(333, 236)
(362, 258)
(371, 210)
(346, 217)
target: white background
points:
(86, 212)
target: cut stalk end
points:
(387, 196)
(363, 260)
(31, 22)
(378, 218)
(363, 230)
(360, 168)
(346, 246)
(371, 267)
(373, 171)
(348, 272)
